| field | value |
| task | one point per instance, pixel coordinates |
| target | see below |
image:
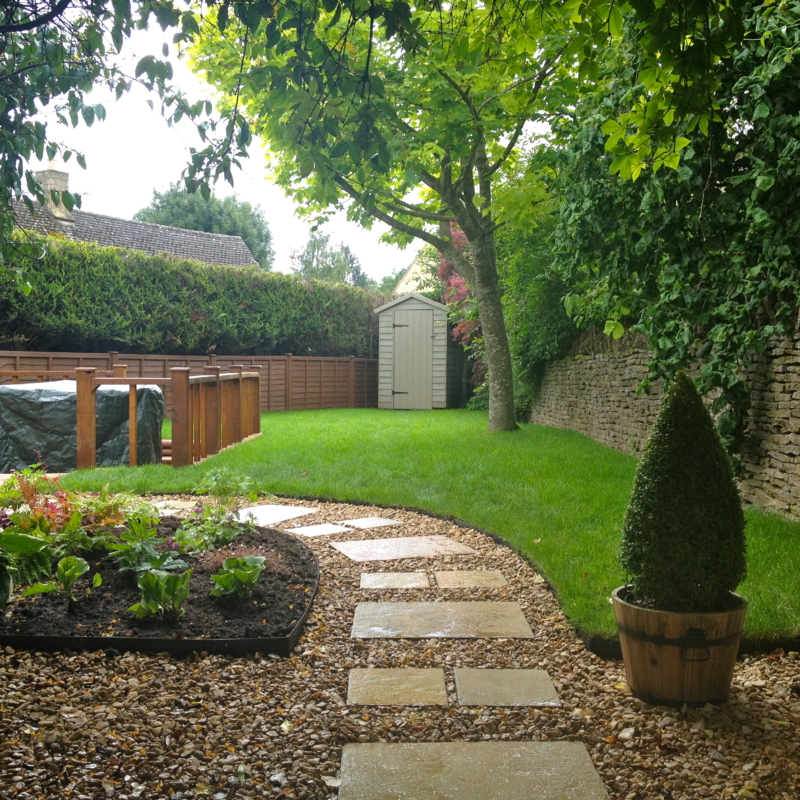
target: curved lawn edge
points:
(602, 646)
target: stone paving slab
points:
(319, 530)
(394, 580)
(168, 507)
(273, 515)
(405, 686)
(505, 687)
(469, 771)
(370, 522)
(423, 620)
(470, 579)
(402, 547)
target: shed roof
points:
(210, 248)
(410, 296)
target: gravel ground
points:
(95, 725)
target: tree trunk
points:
(498, 353)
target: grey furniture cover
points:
(38, 424)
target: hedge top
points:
(683, 541)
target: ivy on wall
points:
(702, 259)
(91, 298)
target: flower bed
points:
(98, 571)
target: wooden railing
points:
(209, 412)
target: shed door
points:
(413, 358)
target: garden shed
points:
(419, 365)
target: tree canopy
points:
(419, 139)
(229, 216)
(318, 260)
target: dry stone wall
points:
(597, 396)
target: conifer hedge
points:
(89, 298)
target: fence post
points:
(213, 407)
(254, 424)
(237, 404)
(289, 381)
(351, 400)
(86, 418)
(181, 417)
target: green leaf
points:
(765, 182)
(21, 543)
(41, 588)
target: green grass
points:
(556, 495)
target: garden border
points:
(178, 647)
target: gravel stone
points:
(104, 724)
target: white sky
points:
(134, 151)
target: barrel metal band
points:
(648, 637)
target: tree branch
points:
(58, 9)
(402, 227)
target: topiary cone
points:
(683, 542)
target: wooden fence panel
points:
(294, 382)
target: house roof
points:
(409, 296)
(210, 248)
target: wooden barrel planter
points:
(673, 658)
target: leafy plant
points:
(683, 541)
(238, 576)
(163, 595)
(103, 508)
(12, 545)
(68, 571)
(72, 538)
(223, 485)
(135, 550)
(209, 528)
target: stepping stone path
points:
(470, 579)
(505, 687)
(395, 580)
(397, 687)
(272, 515)
(319, 530)
(475, 620)
(370, 522)
(469, 771)
(482, 770)
(402, 547)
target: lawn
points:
(556, 495)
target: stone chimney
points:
(53, 180)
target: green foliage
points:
(320, 261)
(162, 305)
(238, 576)
(702, 259)
(20, 549)
(163, 595)
(72, 538)
(388, 283)
(230, 216)
(224, 486)
(135, 550)
(539, 328)
(683, 540)
(68, 571)
(209, 528)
